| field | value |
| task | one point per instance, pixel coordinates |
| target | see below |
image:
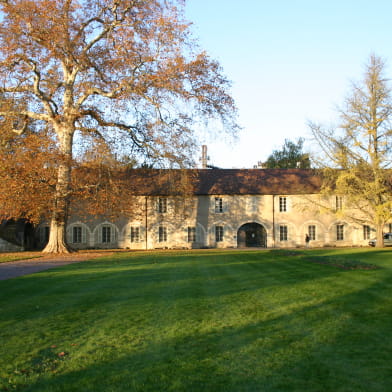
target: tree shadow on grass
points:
(341, 344)
(98, 284)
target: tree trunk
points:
(57, 238)
(57, 243)
(380, 235)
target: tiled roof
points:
(224, 181)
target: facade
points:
(221, 208)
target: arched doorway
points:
(252, 235)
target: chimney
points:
(204, 157)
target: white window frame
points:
(218, 205)
(191, 234)
(134, 234)
(366, 232)
(339, 203)
(107, 235)
(77, 234)
(312, 230)
(219, 233)
(162, 205)
(282, 203)
(162, 234)
(339, 232)
(283, 233)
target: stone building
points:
(221, 208)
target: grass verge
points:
(14, 256)
(201, 321)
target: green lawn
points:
(202, 321)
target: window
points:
(106, 234)
(135, 234)
(283, 204)
(162, 234)
(339, 232)
(162, 204)
(339, 203)
(283, 233)
(77, 235)
(366, 232)
(191, 234)
(218, 204)
(312, 232)
(218, 233)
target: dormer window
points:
(282, 204)
(339, 203)
(162, 205)
(218, 205)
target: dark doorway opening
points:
(252, 235)
(20, 232)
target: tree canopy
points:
(291, 156)
(124, 73)
(357, 153)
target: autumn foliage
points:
(358, 152)
(125, 74)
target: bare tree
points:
(108, 69)
(357, 153)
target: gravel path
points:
(13, 269)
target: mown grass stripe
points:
(198, 321)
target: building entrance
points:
(252, 235)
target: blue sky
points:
(290, 61)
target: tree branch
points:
(97, 91)
(26, 114)
(46, 101)
(114, 124)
